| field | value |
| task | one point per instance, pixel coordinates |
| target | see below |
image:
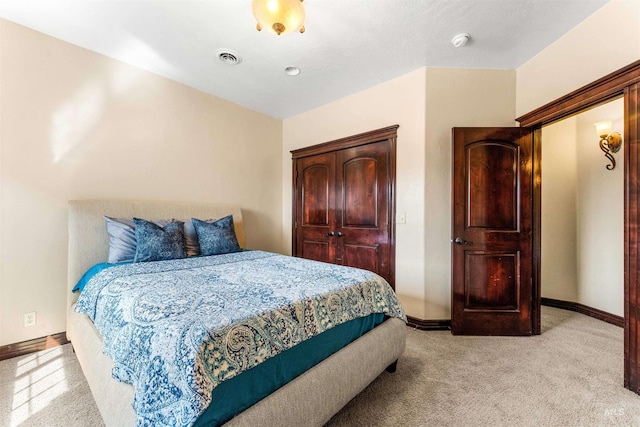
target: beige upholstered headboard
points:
(88, 240)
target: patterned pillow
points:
(122, 238)
(191, 237)
(218, 237)
(155, 243)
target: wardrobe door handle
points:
(339, 234)
(331, 234)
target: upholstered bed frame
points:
(327, 387)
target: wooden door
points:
(316, 212)
(362, 208)
(344, 202)
(492, 245)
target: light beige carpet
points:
(571, 375)
(46, 389)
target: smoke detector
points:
(460, 40)
(228, 56)
(292, 71)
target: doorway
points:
(623, 82)
(582, 263)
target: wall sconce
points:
(279, 16)
(610, 142)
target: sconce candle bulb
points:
(603, 128)
(610, 142)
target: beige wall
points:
(583, 213)
(559, 194)
(76, 124)
(600, 219)
(399, 101)
(426, 104)
(605, 42)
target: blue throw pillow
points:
(155, 243)
(218, 237)
(122, 238)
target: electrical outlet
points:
(30, 319)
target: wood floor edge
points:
(31, 346)
(586, 310)
(429, 325)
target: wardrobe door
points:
(363, 207)
(344, 202)
(315, 213)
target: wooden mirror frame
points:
(624, 82)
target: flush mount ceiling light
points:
(279, 16)
(228, 56)
(292, 71)
(460, 40)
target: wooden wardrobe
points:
(344, 202)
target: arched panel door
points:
(316, 213)
(492, 231)
(362, 208)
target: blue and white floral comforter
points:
(175, 329)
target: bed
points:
(311, 398)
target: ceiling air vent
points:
(229, 57)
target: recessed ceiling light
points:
(461, 40)
(292, 71)
(228, 56)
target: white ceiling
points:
(349, 45)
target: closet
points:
(344, 202)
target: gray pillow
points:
(122, 238)
(218, 237)
(191, 238)
(155, 243)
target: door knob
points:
(339, 234)
(461, 241)
(331, 234)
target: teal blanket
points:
(178, 329)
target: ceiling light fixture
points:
(460, 40)
(279, 16)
